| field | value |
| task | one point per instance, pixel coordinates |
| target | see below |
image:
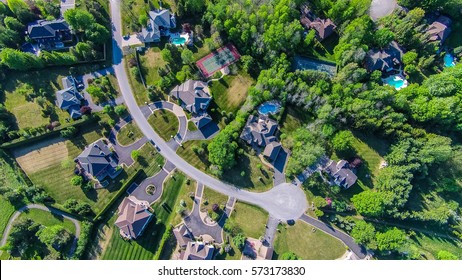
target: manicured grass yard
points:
(251, 219)
(146, 246)
(213, 197)
(131, 9)
(306, 244)
(129, 134)
(55, 177)
(165, 123)
(184, 194)
(430, 246)
(6, 210)
(230, 92)
(47, 219)
(256, 179)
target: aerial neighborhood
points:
(230, 130)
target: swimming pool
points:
(396, 81)
(178, 41)
(449, 60)
(271, 107)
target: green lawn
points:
(129, 134)
(230, 92)
(255, 178)
(165, 123)
(234, 254)
(251, 219)
(306, 244)
(131, 9)
(292, 119)
(46, 219)
(185, 194)
(139, 91)
(6, 210)
(151, 61)
(430, 246)
(213, 197)
(55, 178)
(146, 246)
(323, 50)
(371, 150)
(44, 82)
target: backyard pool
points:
(396, 81)
(179, 41)
(270, 107)
(449, 60)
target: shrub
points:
(76, 180)
(239, 241)
(120, 110)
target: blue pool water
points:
(448, 60)
(179, 41)
(398, 83)
(269, 107)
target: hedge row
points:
(119, 193)
(165, 237)
(82, 242)
(20, 142)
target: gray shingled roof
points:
(195, 95)
(47, 29)
(68, 97)
(272, 150)
(183, 235)
(384, 59)
(259, 130)
(342, 174)
(96, 158)
(157, 19)
(198, 251)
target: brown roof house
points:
(341, 173)
(194, 97)
(324, 27)
(183, 235)
(261, 132)
(255, 250)
(439, 30)
(198, 251)
(385, 59)
(133, 217)
(97, 162)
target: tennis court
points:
(218, 60)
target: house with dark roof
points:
(159, 22)
(439, 30)
(198, 251)
(341, 173)
(194, 96)
(202, 120)
(69, 98)
(323, 27)
(272, 150)
(50, 33)
(133, 217)
(385, 59)
(259, 131)
(97, 162)
(183, 235)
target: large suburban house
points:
(69, 98)
(385, 59)
(323, 27)
(195, 97)
(254, 249)
(183, 235)
(439, 30)
(50, 34)
(159, 22)
(133, 217)
(197, 251)
(97, 162)
(341, 173)
(261, 132)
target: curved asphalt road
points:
(284, 202)
(44, 208)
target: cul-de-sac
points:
(230, 129)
